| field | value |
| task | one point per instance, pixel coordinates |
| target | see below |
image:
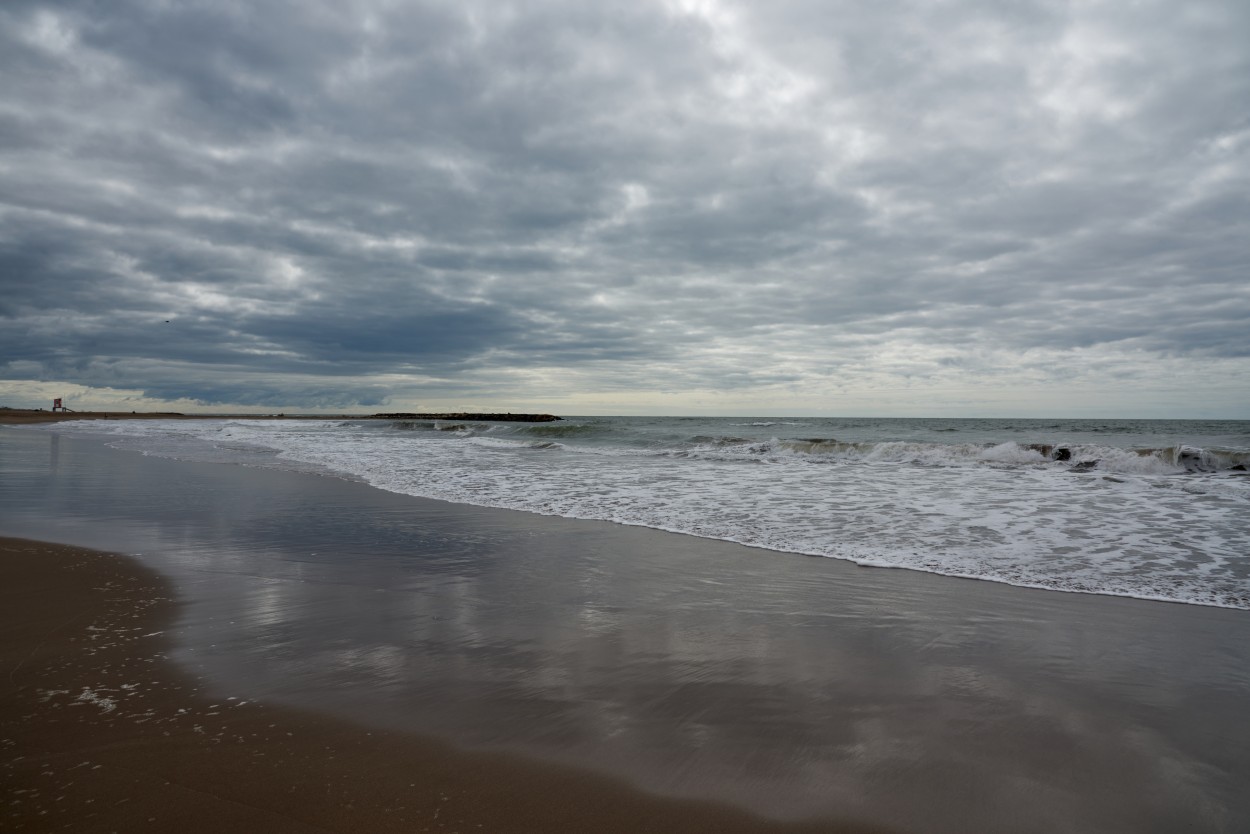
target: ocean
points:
(1152, 509)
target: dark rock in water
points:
(1241, 467)
(1113, 480)
(1195, 459)
(1084, 466)
(1061, 453)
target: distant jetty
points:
(493, 418)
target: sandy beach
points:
(101, 732)
(443, 665)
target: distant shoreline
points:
(13, 416)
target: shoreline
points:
(99, 730)
(1224, 597)
(27, 416)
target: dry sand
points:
(99, 732)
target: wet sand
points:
(99, 731)
(789, 687)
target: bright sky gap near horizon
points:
(898, 208)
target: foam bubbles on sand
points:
(89, 696)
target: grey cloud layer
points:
(323, 199)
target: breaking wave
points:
(1080, 457)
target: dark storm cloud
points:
(323, 204)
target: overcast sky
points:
(994, 207)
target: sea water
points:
(1154, 509)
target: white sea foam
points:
(89, 696)
(1108, 519)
